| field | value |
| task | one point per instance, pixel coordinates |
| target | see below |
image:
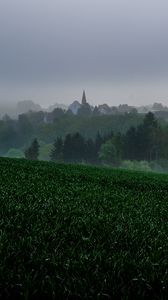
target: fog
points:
(53, 49)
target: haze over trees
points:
(144, 142)
(94, 135)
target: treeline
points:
(19, 133)
(75, 148)
(148, 141)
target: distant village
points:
(82, 108)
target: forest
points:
(18, 133)
(131, 140)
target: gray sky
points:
(50, 50)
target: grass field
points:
(77, 232)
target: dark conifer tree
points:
(68, 149)
(79, 147)
(33, 151)
(130, 144)
(74, 149)
(57, 151)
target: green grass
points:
(77, 232)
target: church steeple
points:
(84, 98)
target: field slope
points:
(77, 232)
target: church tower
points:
(84, 98)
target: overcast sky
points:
(117, 50)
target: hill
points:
(77, 232)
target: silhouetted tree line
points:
(148, 141)
(18, 133)
(75, 148)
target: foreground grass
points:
(76, 232)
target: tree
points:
(57, 113)
(74, 149)
(24, 125)
(150, 121)
(33, 151)
(14, 153)
(130, 144)
(117, 141)
(142, 143)
(150, 129)
(8, 135)
(90, 151)
(108, 153)
(79, 147)
(57, 151)
(96, 111)
(85, 110)
(97, 144)
(45, 151)
(68, 148)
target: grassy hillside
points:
(76, 232)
